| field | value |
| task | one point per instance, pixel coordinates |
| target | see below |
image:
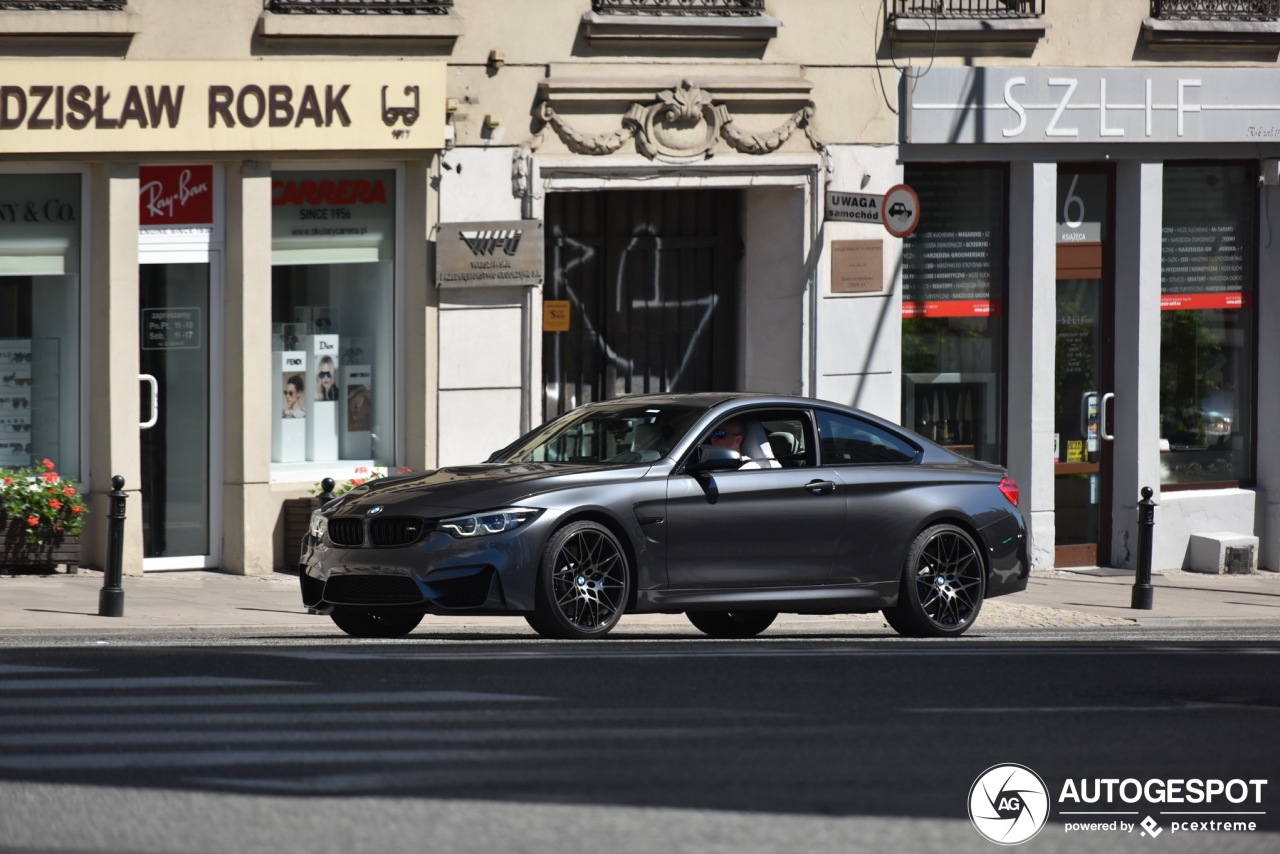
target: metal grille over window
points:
(64, 5)
(1216, 10)
(702, 8)
(359, 7)
(969, 8)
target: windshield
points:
(608, 435)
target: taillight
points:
(1009, 487)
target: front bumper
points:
(439, 574)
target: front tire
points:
(583, 585)
(732, 624)
(363, 623)
(943, 584)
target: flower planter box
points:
(17, 555)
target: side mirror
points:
(709, 458)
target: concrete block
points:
(1222, 553)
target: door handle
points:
(155, 400)
(1102, 417)
(818, 487)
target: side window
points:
(848, 440)
(768, 438)
(788, 439)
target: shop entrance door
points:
(178, 508)
(1083, 378)
(647, 286)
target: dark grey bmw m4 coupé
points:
(729, 508)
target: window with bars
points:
(969, 8)
(692, 8)
(1267, 11)
(359, 7)
(64, 5)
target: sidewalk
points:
(1059, 599)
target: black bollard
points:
(326, 490)
(111, 598)
(1143, 594)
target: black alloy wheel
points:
(732, 624)
(365, 623)
(943, 584)
(583, 583)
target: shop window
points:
(953, 283)
(333, 323)
(40, 220)
(1207, 346)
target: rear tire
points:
(943, 583)
(363, 623)
(583, 585)
(732, 624)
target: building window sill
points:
(446, 27)
(730, 31)
(69, 22)
(956, 31)
(1229, 33)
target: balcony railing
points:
(691, 8)
(973, 9)
(63, 5)
(359, 7)
(1216, 10)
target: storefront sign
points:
(332, 217)
(857, 266)
(1112, 105)
(175, 195)
(114, 106)
(488, 254)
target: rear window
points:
(848, 440)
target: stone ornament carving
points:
(684, 124)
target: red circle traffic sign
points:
(900, 210)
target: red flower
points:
(67, 490)
(55, 504)
(32, 521)
(48, 464)
(49, 477)
(76, 509)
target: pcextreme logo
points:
(1008, 804)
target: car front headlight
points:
(484, 524)
(319, 525)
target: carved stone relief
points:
(684, 124)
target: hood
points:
(488, 486)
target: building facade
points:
(245, 245)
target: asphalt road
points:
(793, 744)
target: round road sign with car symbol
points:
(901, 210)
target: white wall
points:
(859, 336)
(483, 358)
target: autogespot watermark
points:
(1009, 804)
